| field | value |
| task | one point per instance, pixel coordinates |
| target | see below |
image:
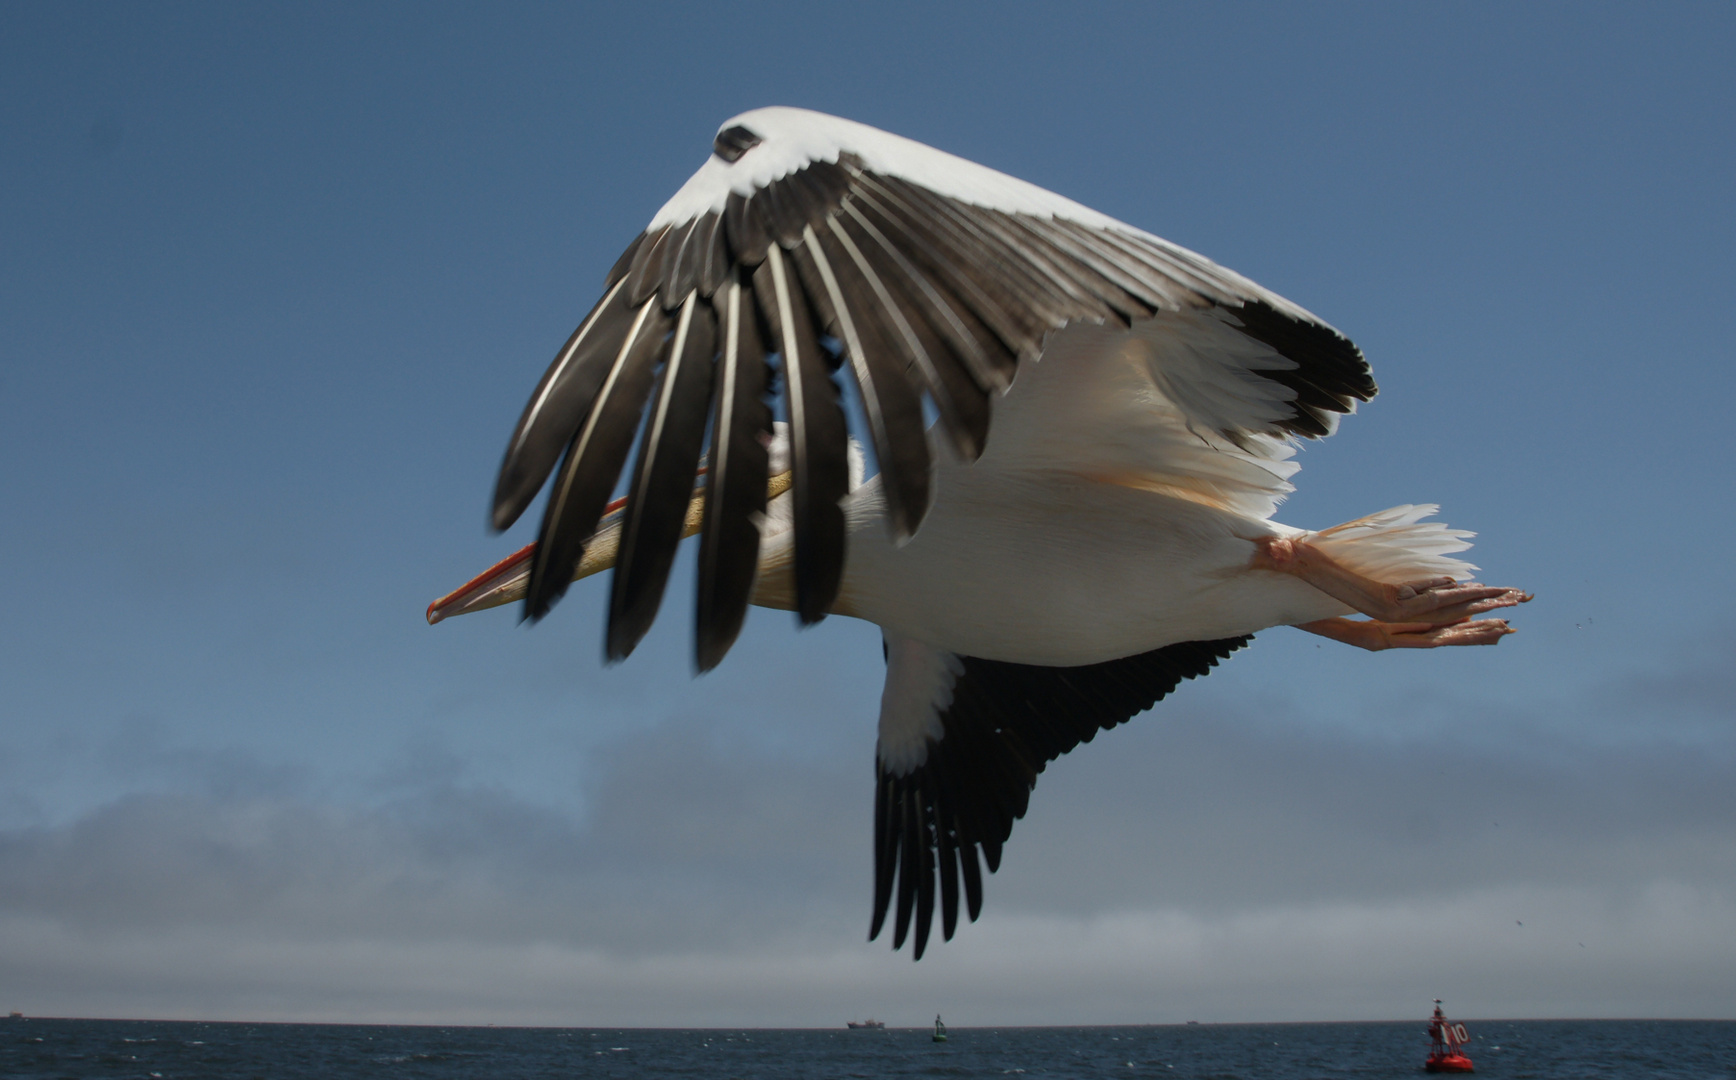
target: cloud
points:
(1665, 952)
(1206, 809)
(1201, 863)
(677, 843)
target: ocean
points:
(32, 1049)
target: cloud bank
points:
(1201, 863)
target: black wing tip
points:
(536, 608)
(809, 615)
(714, 634)
(1006, 722)
(919, 852)
(1332, 374)
(506, 511)
(515, 488)
(624, 263)
(619, 642)
(707, 657)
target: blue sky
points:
(276, 281)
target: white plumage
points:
(1038, 577)
(793, 139)
(1066, 550)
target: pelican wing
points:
(1181, 404)
(806, 244)
(961, 743)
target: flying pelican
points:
(1080, 433)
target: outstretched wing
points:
(805, 244)
(961, 743)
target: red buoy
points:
(1447, 1054)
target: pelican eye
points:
(732, 142)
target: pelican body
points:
(1079, 433)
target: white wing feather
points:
(1150, 410)
(919, 683)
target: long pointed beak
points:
(501, 583)
(509, 579)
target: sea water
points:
(1576, 1049)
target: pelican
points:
(1055, 498)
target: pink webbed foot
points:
(1377, 636)
(1433, 602)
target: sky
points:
(276, 280)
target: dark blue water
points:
(56, 1049)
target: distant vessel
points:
(865, 1025)
(1447, 1054)
(939, 1029)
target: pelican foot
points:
(1430, 602)
(1377, 636)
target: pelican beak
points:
(509, 579)
(501, 583)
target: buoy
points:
(1447, 1055)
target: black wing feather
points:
(1094, 292)
(560, 404)
(1152, 259)
(680, 270)
(735, 483)
(1026, 289)
(1005, 724)
(963, 406)
(910, 848)
(973, 879)
(747, 236)
(712, 256)
(949, 868)
(594, 460)
(694, 260)
(625, 262)
(1331, 373)
(885, 848)
(975, 285)
(927, 826)
(974, 344)
(663, 478)
(780, 212)
(819, 461)
(646, 273)
(889, 396)
(1149, 286)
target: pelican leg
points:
(1431, 602)
(1376, 636)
